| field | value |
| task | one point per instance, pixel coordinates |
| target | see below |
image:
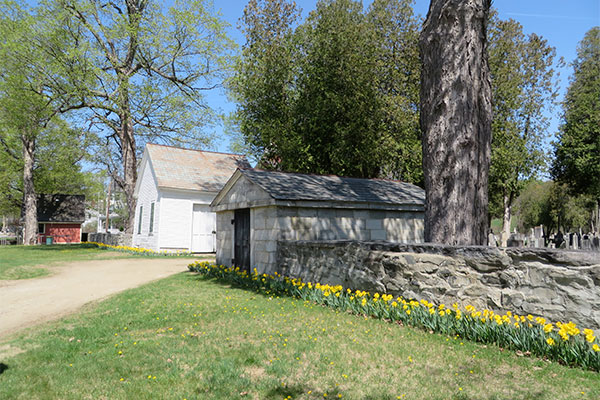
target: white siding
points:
(176, 210)
(148, 194)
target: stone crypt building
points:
(256, 209)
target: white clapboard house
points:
(174, 190)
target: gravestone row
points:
(568, 241)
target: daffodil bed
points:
(141, 250)
(192, 337)
(529, 335)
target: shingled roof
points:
(61, 208)
(299, 187)
(177, 168)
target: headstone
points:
(492, 240)
(513, 242)
(558, 240)
(586, 243)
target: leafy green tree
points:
(336, 94)
(572, 212)
(396, 34)
(577, 151)
(533, 206)
(149, 64)
(524, 88)
(57, 166)
(28, 105)
(338, 112)
(552, 205)
(263, 85)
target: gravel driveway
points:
(27, 302)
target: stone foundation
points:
(558, 285)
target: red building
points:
(60, 217)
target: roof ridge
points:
(298, 186)
(197, 150)
(333, 176)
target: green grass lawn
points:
(24, 262)
(186, 337)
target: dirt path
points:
(24, 303)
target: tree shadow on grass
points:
(3, 367)
(282, 392)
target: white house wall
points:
(176, 212)
(147, 195)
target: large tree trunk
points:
(127, 138)
(130, 176)
(456, 115)
(30, 225)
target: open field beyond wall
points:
(190, 338)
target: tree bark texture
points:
(30, 223)
(456, 115)
(130, 177)
(128, 155)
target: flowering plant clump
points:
(562, 342)
(140, 250)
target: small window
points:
(140, 220)
(151, 228)
(41, 228)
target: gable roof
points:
(294, 187)
(61, 208)
(185, 169)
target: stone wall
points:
(118, 239)
(225, 232)
(303, 223)
(558, 285)
(264, 233)
(271, 223)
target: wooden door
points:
(203, 229)
(242, 239)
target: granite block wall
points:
(558, 285)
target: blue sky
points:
(562, 22)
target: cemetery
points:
(382, 199)
(568, 241)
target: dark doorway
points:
(241, 239)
